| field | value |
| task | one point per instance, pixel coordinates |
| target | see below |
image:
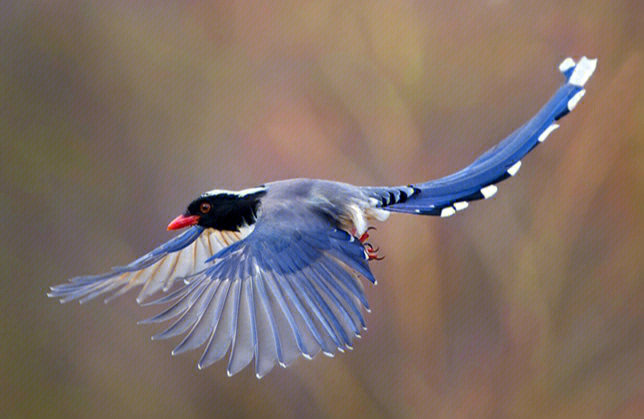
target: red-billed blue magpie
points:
(273, 272)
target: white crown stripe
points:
(240, 193)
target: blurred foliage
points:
(114, 115)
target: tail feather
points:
(447, 195)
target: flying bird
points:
(275, 271)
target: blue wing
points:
(183, 255)
(288, 289)
(450, 194)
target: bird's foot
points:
(371, 252)
(365, 235)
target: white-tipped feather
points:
(566, 64)
(514, 168)
(447, 212)
(582, 72)
(547, 132)
(489, 191)
(575, 99)
(461, 205)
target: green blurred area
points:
(114, 115)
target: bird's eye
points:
(204, 207)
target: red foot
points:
(372, 254)
(365, 235)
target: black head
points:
(222, 210)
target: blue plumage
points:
(491, 167)
(285, 281)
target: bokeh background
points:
(115, 114)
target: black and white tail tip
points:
(450, 194)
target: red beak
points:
(183, 221)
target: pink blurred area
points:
(114, 115)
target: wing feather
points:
(245, 341)
(200, 297)
(269, 349)
(180, 306)
(289, 320)
(183, 255)
(199, 334)
(222, 333)
(284, 291)
(348, 325)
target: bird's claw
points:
(372, 253)
(365, 235)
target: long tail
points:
(447, 195)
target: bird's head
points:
(221, 210)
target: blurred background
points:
(114, 115)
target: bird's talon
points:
(372, 253)
(365, 235)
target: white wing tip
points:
(583, 70)
(489, 191)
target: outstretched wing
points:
(290, 288)
(447, 195)
(183, 255)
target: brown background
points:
(114, 115)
